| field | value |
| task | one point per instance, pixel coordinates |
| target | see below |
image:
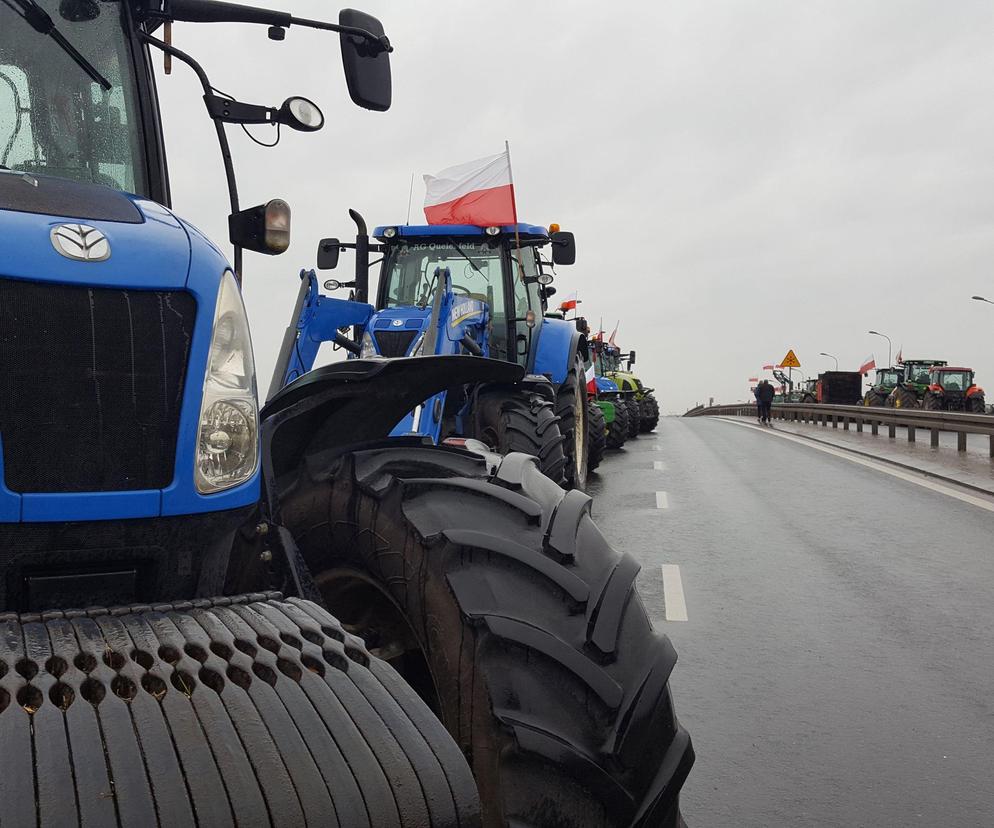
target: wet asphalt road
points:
(837, 664)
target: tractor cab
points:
(916, 371)
(887, 379)
(953, 389)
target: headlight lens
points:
(368, 350)
(228, 440)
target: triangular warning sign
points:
(791, 360)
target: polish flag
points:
(614, 333)
(569, 303)
(477, 192)
(900, 359)
(868, 365)
(753, 379)
(591, 379)
(767, 367)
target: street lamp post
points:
(877, 333)
(833, 356)
(982, 299)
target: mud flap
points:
(359, 401)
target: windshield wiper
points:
(39, 20)
(472, 264)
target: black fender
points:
(356, 402)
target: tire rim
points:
(578, 432)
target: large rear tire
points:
(525, 422)
(903, 398)
(634, 416)
(617, 430)
(596, 436)
(931, 402)
(650, 413)
(976, 404)
(239, 711)
(874, 398)
(571, 407)
(498, 595)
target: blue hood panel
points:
(152, 254)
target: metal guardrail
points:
(875, 417)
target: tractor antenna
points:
(410, 198)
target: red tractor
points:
(953, 389)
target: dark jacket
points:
(765, 392)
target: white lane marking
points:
(924, 482)
(661, 501)
(657, 465)
(657, 448)
(674, 602)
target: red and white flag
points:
(569, 303)
(753, 379)
(868, 365)
(478, 192)
(591, 379)
(900, 359)
(614, 333)
(767, 367)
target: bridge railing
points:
(874, 417)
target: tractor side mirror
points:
(631, 357)
(328, 250)
(367, 65)
(264, 228)
(563, 248)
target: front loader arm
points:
(315, 319)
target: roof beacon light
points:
(390, 232)
(492, 231)
(553, 228)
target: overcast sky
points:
(742, 177)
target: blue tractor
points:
(171, 554)
(451, 290)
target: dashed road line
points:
(662, 502)
(657, 465)
(674, 602)
(922, 481)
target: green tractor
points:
(807, 394)
(912, 383)
(886, 381)
(643, 410)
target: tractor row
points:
(359, 604)
(929, 384)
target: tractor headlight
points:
(368, 349)
(228, 439)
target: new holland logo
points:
(80, 242)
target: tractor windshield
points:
(888, 378)
(954, 380)
(477, 271)
(55, 120)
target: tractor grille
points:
(394, 343)
(91, 385)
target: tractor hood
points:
(136, 231)
(396, 330)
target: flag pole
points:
(514, 211)
(410, 198)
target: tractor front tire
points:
(494, 592)
(617, 430)
(527, 423)
(649, 418)
(238, 711)
(596, 436)
(634, 416)
(874, 399)
(903, 398)
(571, 407)
(976, 404)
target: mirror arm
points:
(222, 137)
(235, 112)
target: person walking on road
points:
(764, 400)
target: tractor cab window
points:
(954, 380)
(412, 272)
(524, 272)
(54, 120)
(889, 378)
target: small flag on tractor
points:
(868, 365)
(900, 358)
(478, 192)
(569, 303)
(614, 333)
(591, 379)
